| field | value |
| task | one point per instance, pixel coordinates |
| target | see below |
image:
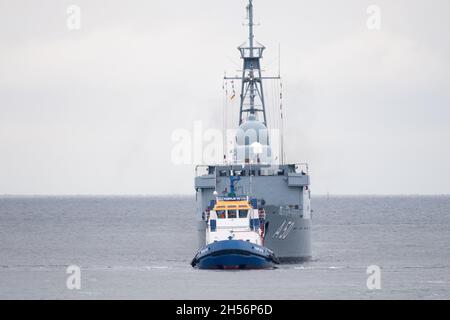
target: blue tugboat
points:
(235, 236)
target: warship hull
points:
(291, 244)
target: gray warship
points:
(281, 190)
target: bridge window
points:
(232, 214)
(221, 214)
(243, 214)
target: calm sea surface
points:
(140, 248)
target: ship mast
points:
(251, 36)
(252, 95)
(252, 103)
(252, 91)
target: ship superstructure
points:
(279, 189)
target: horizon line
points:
(193, 195)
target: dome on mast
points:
(252, 131)
(252, 142)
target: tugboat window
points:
(232, 214)
(243, 213)
(221, 214)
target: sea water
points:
(141, 248)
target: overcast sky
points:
(92, 111)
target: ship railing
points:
(254, 52)
(201, 170)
